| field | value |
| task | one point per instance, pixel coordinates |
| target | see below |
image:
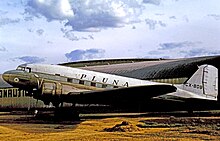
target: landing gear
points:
(69, 113)
(66, 113)
(46, 102)
(57, 104)
(63, 113)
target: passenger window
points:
(93, 84)
(28, 69)
(81, 82)
(69, 80)
(104, 86)
(18, 68)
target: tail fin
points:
(204, 82)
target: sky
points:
(59, 31)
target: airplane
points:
(57, 84)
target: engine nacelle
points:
(53, 91)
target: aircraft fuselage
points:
(50, 82)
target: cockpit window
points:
(27, 69)
(20, 68)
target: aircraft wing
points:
(137, 94)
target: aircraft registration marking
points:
(196, 86)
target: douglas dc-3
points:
(57, 84)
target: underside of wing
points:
(138, 94)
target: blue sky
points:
(58, 31)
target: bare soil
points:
(28, 127)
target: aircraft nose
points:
(17, 78)
(6, 76)
(11, 76)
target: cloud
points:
(182, 49)
(14, 3)
(185, 18)
(69, 35)
(154, 52)
(91, 37)
(152, 23)
(87, 15)
(5, 21)
(49, 42)
(3, 12)
(200, 52)
(30, 30)
(215, 16)
(2, 48)
(154, 2)
(162, 24)
(159, 14)
(85, 54)
(173, 45)
(28, 18)
(172, 17)
(30, 59)
(51, 9)
(40, 32)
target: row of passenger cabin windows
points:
(89, 83)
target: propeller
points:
(39, 81)
(39, 86)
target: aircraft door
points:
(58, 89)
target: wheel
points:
(46, 102)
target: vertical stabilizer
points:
(204, 82)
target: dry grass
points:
(94, 130)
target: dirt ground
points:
(96, 127)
